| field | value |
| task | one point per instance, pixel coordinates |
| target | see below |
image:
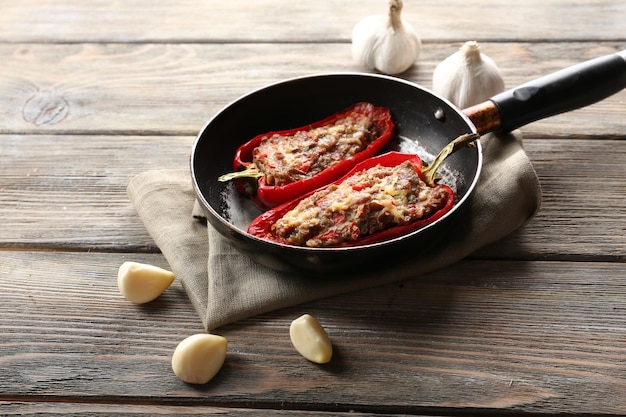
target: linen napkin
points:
(225, 286)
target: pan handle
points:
(568, 89)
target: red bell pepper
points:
(262, 226)
(266, 196)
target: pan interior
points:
(424, 125)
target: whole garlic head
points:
(386, 43)
(467, 77)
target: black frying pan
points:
(425, 123)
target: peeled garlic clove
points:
(198, 358)
(467, 77)
(142, 283)
(386, 42)
(310, 339)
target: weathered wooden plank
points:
(111, 410)
(278, 21)
(175, 89)
(478, 336)
(69, 192)
(583, 184)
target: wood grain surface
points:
(272, 21)
(95, 92)
(175, 89)
(533, 332)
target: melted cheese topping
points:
(286, 159)
(365, 203)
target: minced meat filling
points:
(365, 203)
(286, 159)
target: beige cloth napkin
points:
(225, 286)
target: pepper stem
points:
(251, 172)
(430, 172)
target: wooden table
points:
(93, 92)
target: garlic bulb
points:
(386, 42)
(467, 77)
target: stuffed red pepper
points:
(276, 167)
(381, 198)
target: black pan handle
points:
(568, 89)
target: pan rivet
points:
(440, 114)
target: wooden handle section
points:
(485, 116)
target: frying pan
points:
(425, 123)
